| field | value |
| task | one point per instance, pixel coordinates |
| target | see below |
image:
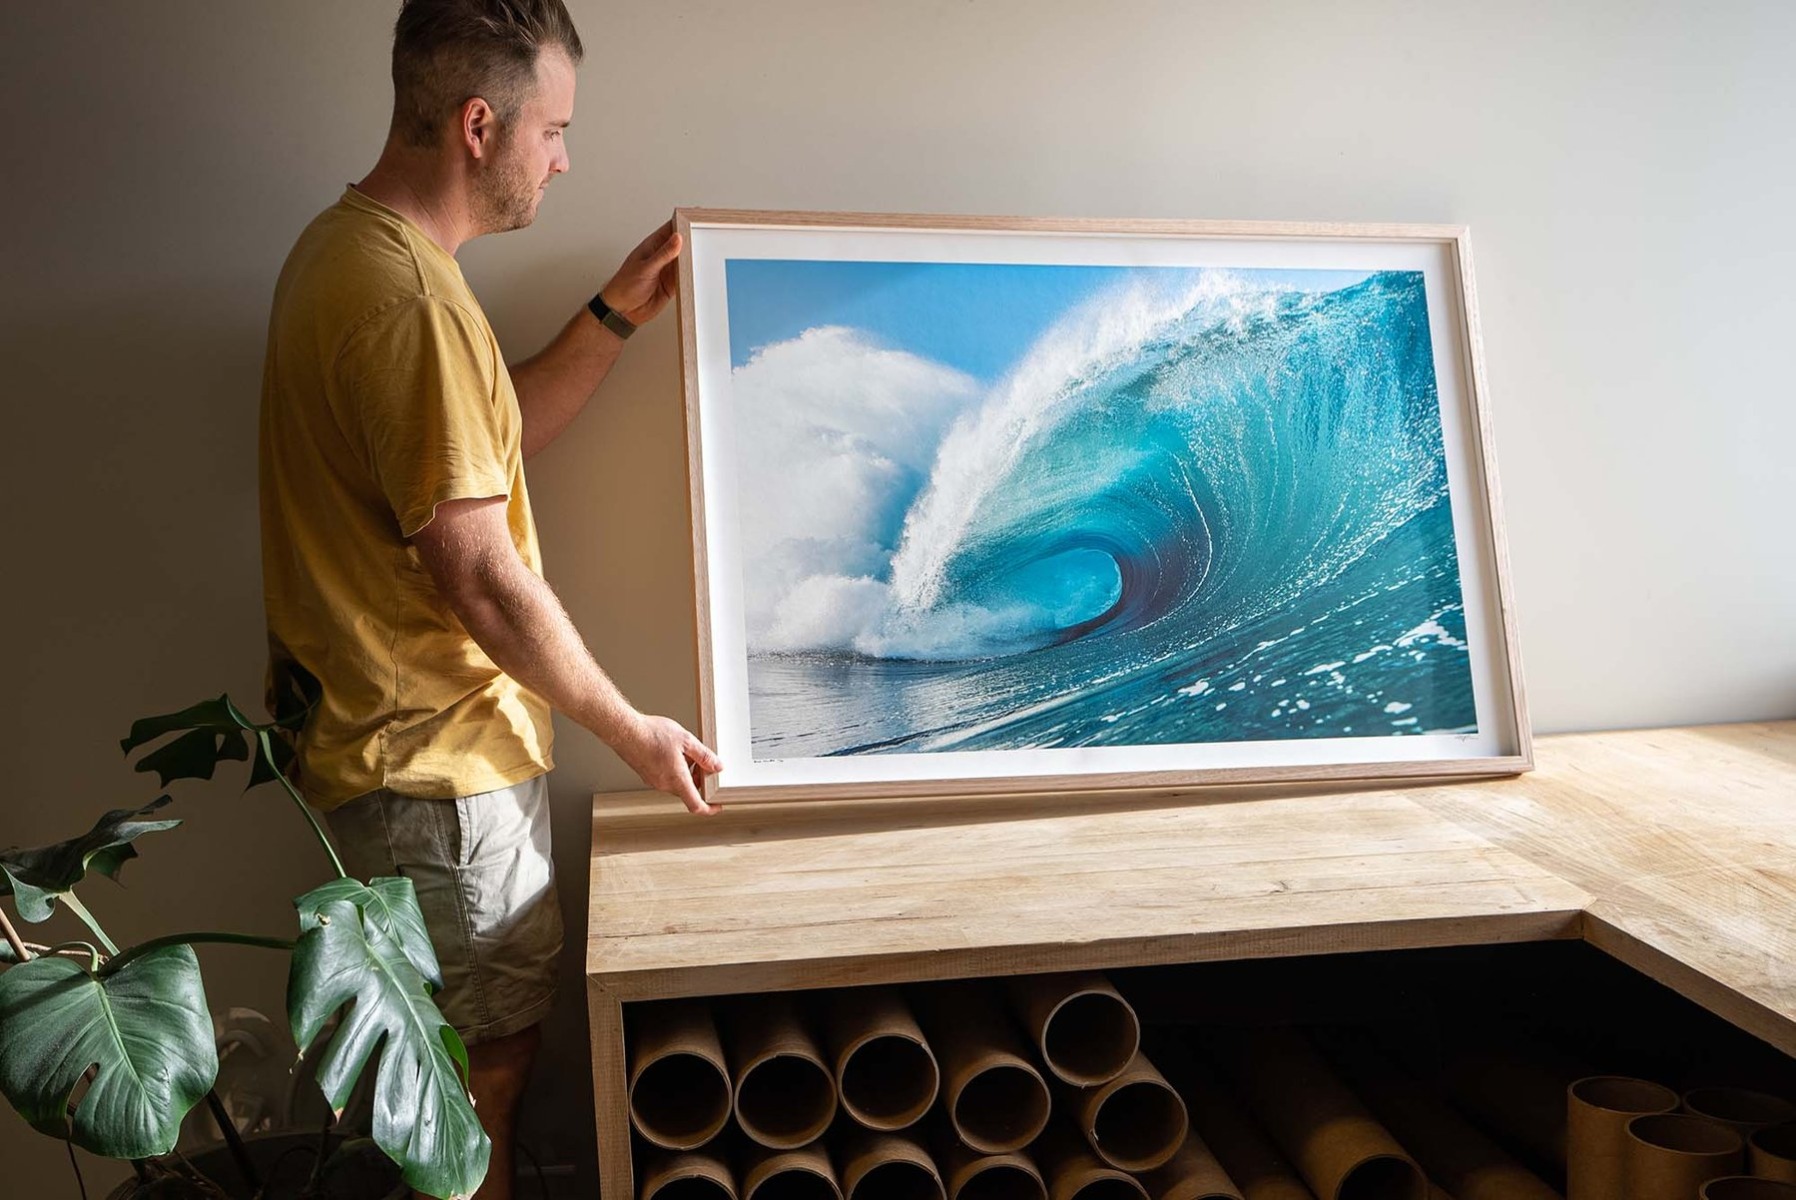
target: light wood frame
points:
(1510, 704)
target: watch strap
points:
(609, 317)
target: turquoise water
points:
(1216, 515)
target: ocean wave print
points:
(1198, 506)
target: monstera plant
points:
(109, 1047)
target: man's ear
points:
(479, 127)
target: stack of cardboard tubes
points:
(1039, 1088)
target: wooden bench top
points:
(1672, 849)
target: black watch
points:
(609, 317)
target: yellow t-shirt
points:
(383, 395)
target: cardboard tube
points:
(1086, 1032)
(1136, 1121)
(1258, 1170)
(1073, 1172)
(1341, 1151)
(802, 1174)
(1772, 1152)
(679, 1085)
(692, 1175)
(885, 1073)
(1747, 1187)
(994, 1095)
(1740, 1109)
(974, 1175)
(785, 1095)
(970, 1175)
(888, 1166)
(1671, 1155)
(1452, 1152)
(1597, 1111)
(1193, 1174)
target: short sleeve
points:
(418, 395)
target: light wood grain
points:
(771, 898)
(1674, 850)
(1137, 226)
(695, 497)
(1686, 840)
(610, 1091)
(1511, 693)
(1150, 783)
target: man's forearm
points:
(515, 617)
(555, 384)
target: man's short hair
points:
(446, 52)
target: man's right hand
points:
(671, 760)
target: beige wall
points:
(1629, 171)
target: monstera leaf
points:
(145, 1030)
(37, 875)
(390, 905)
(366, 944)
(215, 731)
(212, 732)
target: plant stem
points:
(305, 809)
(12, 937)
(324, 1134)
(87, 919)
(233, 1139)
(118, 961)
(79, 1182)
(88, 948)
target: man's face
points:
(531, 149)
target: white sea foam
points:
(952, 631)
(1431, 628)
(836, 434)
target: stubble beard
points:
(505, 194)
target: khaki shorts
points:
(485, 881)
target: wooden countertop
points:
(1672, 849)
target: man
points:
(400, 563)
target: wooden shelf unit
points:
(1674, 850)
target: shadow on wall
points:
(135, 424)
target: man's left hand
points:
(648, 279)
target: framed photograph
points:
(1013, 505)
